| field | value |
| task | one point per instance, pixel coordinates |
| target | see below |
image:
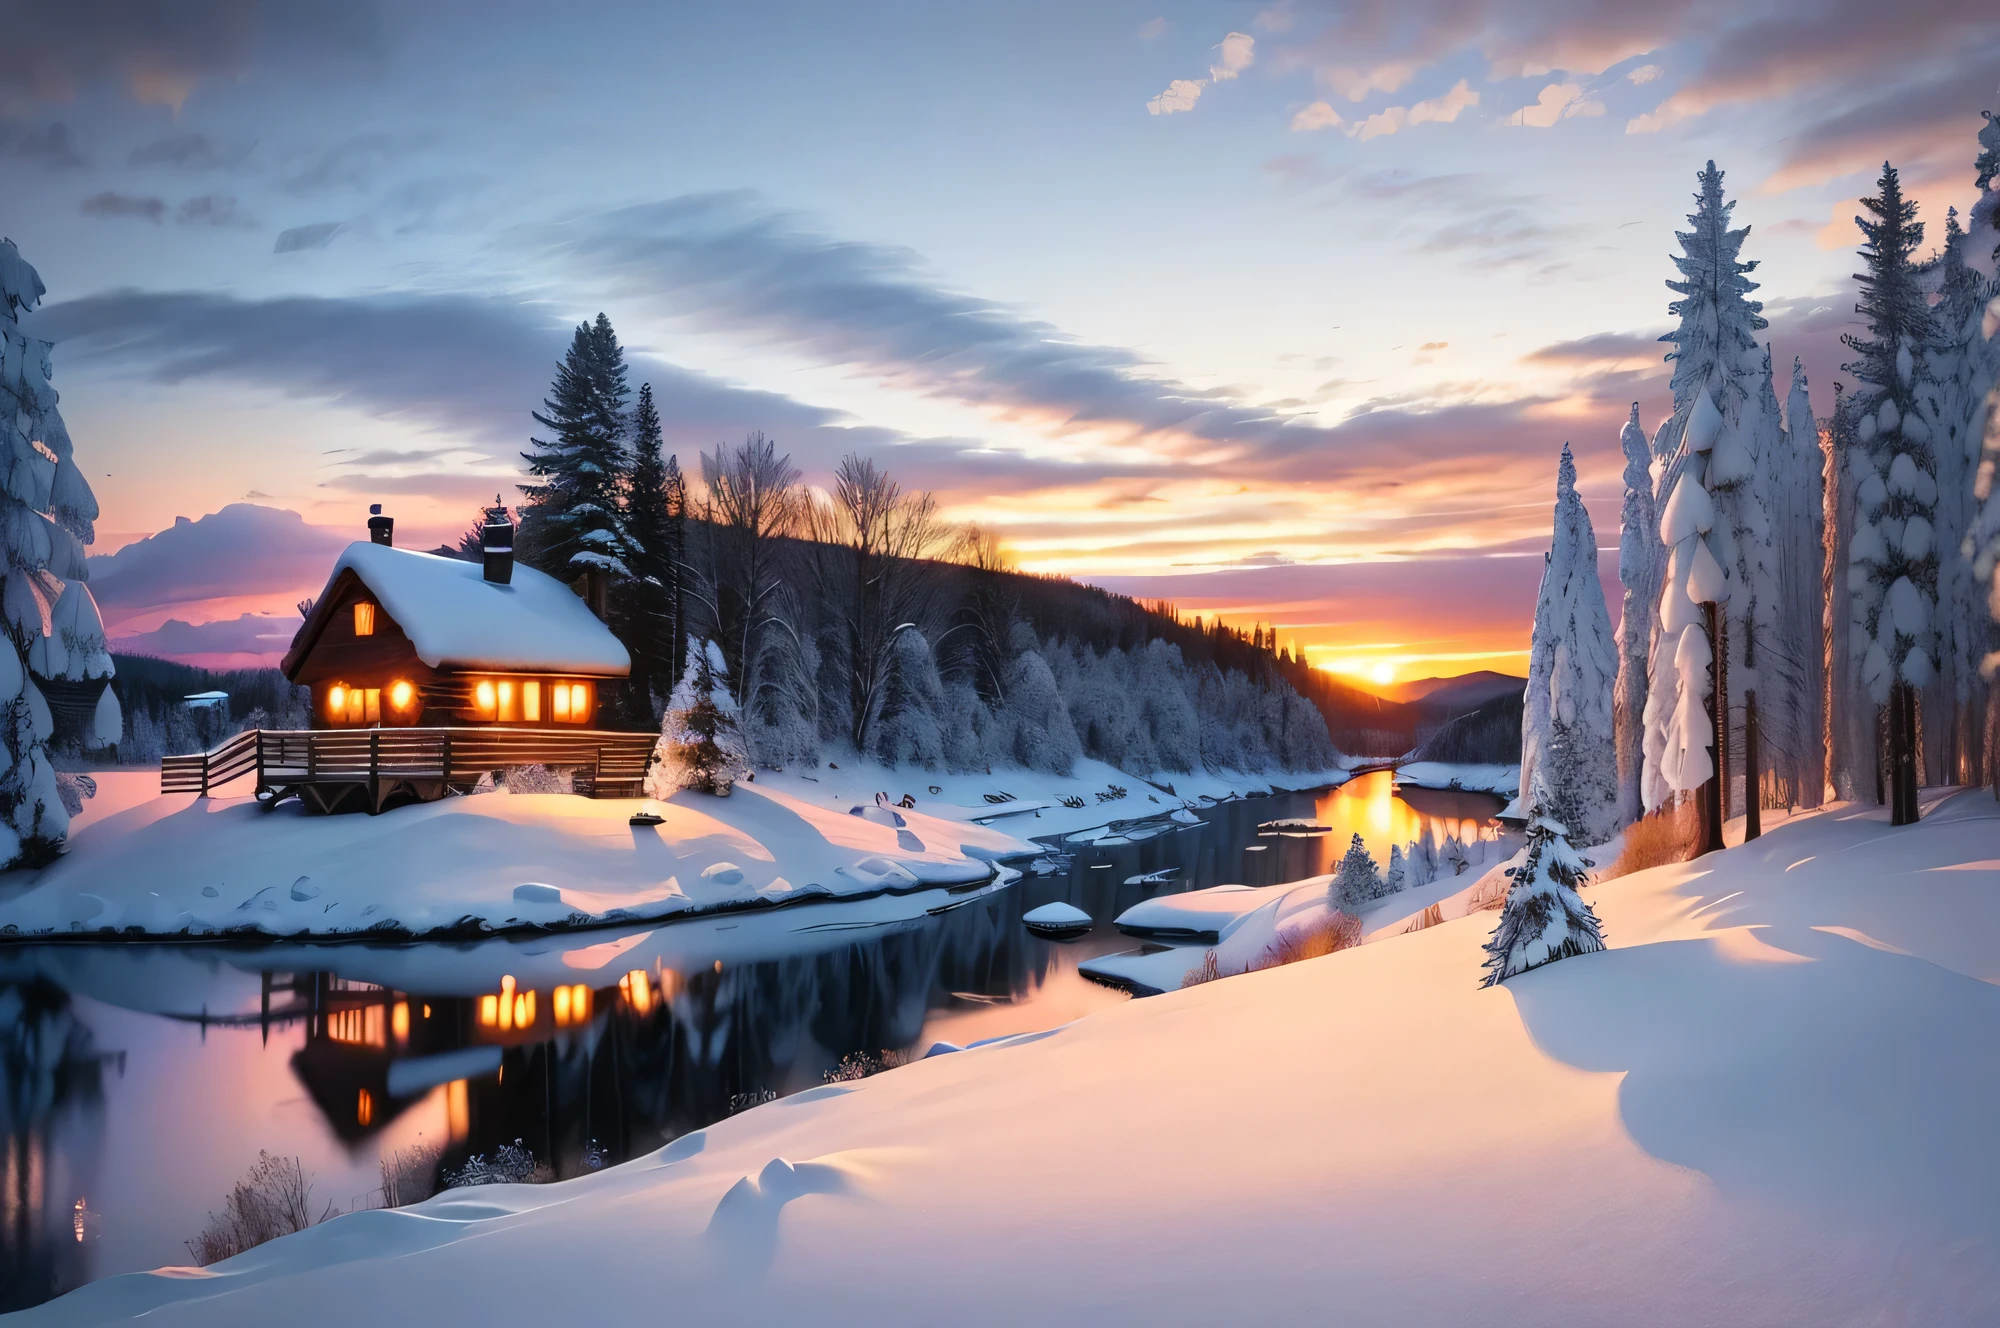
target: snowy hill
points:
(1768, 1103)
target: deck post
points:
(445, 764)
(260, 759)
(204, 773)
(374, 771)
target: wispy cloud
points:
(1236, 53)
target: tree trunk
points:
(1902, 755)
(1709, 796)
(1753, 792)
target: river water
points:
(139, 1082)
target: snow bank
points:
(1500, 780)
(473, 865)
(1768, 1103)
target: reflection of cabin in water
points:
(401, 638)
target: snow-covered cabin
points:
(406, 638)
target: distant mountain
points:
(1467, 691)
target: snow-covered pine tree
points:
(581, 469)
(1641, 566)
(1894, 547)
(1544, 918)
(1800, 485)
(1397, 877)
(647, 598)
(1716, 360)
(1744, 469)
(52, 626)
(1853, 773)
(1572, 673)
(1696, 588)
(1041, 734)
(1356, 881)
(701, 745)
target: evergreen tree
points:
(1799, 486)
(1398, 875)
(574, 508)
(648, 596)
(1572, 673)
(1641, 566)
(1357, 881)
(1544, 918)
(1715, 361)
(701, 745)
(52, 628)
(1893, 548)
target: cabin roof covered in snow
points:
(457, 619)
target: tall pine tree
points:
(1894, 545)
(1641, 565)
(647, 598)
(574, 507)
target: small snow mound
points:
(210, 892)
(301, 891)
(879, 815)
(722, 873)
(528, 892)
(1057, 914)
(881, 871)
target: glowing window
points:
(399, 1021)
(579, 701)
(510, 709)
(364, 619)
(371, 706)
(485, 699)
(531, 702)
(357, 706)
(401, 693)
(559, 694)
(336, 702)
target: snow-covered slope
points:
(1769, 1103)
(178, 865)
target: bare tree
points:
(872, 550)
(751, 501)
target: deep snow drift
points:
(1769, 1102)
(179, 865)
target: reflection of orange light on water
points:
(489, 1011)
(364, 1108)
(524, 1010)
(571, 1004)
(399, 1021)
(457, 1109)
(637, 990)
(507, 1001)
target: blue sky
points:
(1301, 342)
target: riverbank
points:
(178, 867)
(1767, 1102)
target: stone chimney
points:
(496, 543)
(381, 529)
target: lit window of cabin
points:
(531, 701)
(364, 619)
(353, 705)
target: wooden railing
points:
(610, 763)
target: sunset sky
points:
(1281, 310)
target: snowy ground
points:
(183, 866)
(1770, 1102)
(1502, 780)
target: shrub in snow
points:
(1357, 880)
(1333, 932)
(273, 1200)
(1544, 919)
(537, 779)
(511, 1164)
(52, 627)
(1208, 970)
(700, 746)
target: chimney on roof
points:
(381, 529)
(496, 543)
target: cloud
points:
(243, 551)
(213, 210)
(49, 146)
(316, 236)
(1152, 28)
(188, 151)
(354, 162)
(1603, 348)
(1557, 101)
(1181, 95)
(1434, 345)
(109, 204)
(1437, 110)
(1492, 222)
(1319, 115)
(1925, 124)
(1356, 84)
(163, 53)
(1644, 73)
(1239, 52)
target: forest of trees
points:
(855, 620)
(1809, 605)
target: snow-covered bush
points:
(1043, 736)
(700, 745)
(1357, 880)
(1544, 919)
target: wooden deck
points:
(335, 769)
